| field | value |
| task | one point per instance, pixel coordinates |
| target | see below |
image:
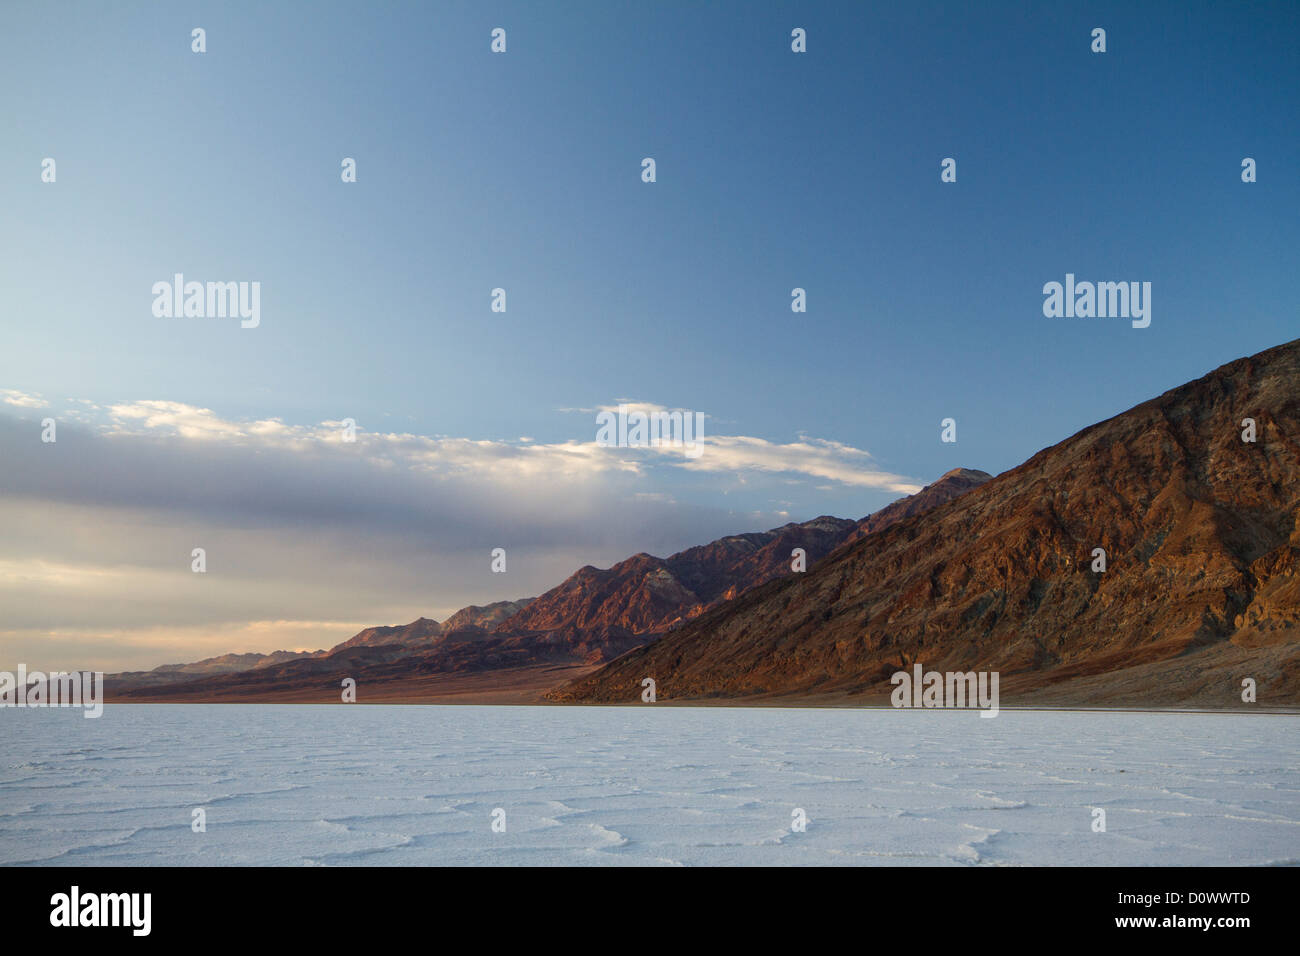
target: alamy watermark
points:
(55, 689)
(950, 689)
(1102, 300)
(75, 908)
(208, 300)
(654, 429)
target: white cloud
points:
(812, 457)
(524, 459)
(11, 396)
(299, 525)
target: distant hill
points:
(225, 664)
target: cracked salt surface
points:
(644, 785)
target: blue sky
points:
(522, 170)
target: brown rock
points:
(1200, 532)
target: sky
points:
(522, 170)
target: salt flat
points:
(417, 785)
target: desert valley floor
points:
(418, 785)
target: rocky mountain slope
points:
(600, 613)
(418, 633)
(949, 486)
(592, 617)
(1200, 588)
(486, 617)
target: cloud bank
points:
(309, 537)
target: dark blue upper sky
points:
(775, 170)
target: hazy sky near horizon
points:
(522, 170)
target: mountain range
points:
(1149, 560)
(591, 618)
(1199, 592)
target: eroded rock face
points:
(603, 613)
(486, 617)
(645, 594)
(949, 486)
(1201, 540)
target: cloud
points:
(524, 459)
(19, 399)
(737, 454)
(300, 525)
(814, 457)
